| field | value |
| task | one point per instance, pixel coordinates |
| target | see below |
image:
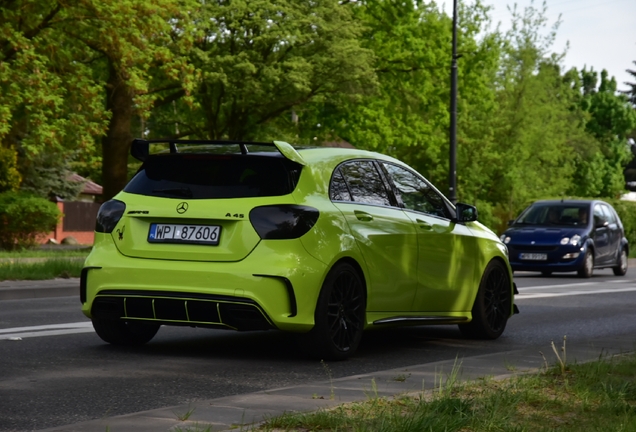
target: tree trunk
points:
(116, 143)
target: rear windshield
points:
(555, 214)
(200, 176)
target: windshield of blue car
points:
(555, 215)
(201, 176)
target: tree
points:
(631, 93)
(610, 120)
(48, 97)
(260, 59)
(127, 40)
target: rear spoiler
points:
(140, 148)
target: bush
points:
(23, 217)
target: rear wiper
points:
(184, 191)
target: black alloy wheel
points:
(621, 268)
(340, 315)
(493, 304)
(587, 269)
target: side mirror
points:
(466, 212)
(601, 223)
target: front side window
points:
(599, 217)
(364, 183)
(415, 193)
(609, 214)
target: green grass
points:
(597, 396)
(49, 269)
(45, 253)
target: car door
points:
(600, 235)
(385, 235)
(446, 260)
(614, 232)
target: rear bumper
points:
(276, 286)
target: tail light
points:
(281, 222)
(108, 215)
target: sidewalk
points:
(230, 413)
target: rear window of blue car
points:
(201, 176)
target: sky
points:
(601, 33)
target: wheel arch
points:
(505, 264)
(351, 261)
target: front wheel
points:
(587, 269)
(492, 306)
(339, 317)
(621, 268)
(118, 332)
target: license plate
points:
(533, 256)
(176, 233)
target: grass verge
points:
(596, 396)
(49, 269)
(45, 253)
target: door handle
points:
(363, 216)
(424, 225)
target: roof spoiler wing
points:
(140, 148)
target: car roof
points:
(568, 201)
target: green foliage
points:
(610, 119)
(259, 59)
(48, 98)
(9, 175)
(373, 73)
(23, 217)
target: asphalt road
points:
(54, 370)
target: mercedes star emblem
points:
(182, 207)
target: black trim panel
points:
(84, 282)
(421, 320)
(185, 309)
(290, 292)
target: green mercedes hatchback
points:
(320, 242)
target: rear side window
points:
(200, 176)
(364, 183)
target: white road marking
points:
(562, 290)
(46, 330)
(580, 284)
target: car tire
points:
(621, 268)
(130, 333)
(340, 315)
(493, 304)
(587, 269)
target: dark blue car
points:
(566, 236)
